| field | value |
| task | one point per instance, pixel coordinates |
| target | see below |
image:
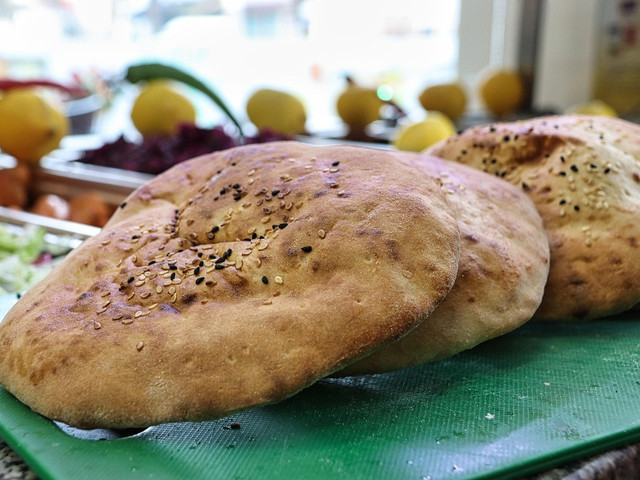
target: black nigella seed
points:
(229, 252)
(173, 276)
(306, 249)
(221, 259)
(254, 235)
(152, 262)
(335, 164)
(494, 160)
(135, 237)
(212, 256)
(196, 271)
(233, 164)
(201, 264)
(563, 201)
(219, 266)
(265, 280)
(130, 279)
(564, 174)
(562, 159)
(199, 280)
(492, 128)
(200, 254)
(172, 267)
(215, 229)
(123, 204)
(607, 170)
(576, 208)
(235, 186)
(275, 192)
(506, 138)
(283, 225)
(574, 168)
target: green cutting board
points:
(538, 397)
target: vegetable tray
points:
(533, 399)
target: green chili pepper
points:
(151, 71)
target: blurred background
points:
(569, 52)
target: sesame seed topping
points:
(117, 317)
(138, 314)
(267, 301)
(278, 279)
(321, 233)
(97, 325)
(127, 321)
(139, 346)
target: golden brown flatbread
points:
(504, 263)
(232, 280)
(583, 174)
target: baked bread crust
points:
(504, 263)
(174, 313)
(583, 174)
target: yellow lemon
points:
(501, 90)
(358, 107)
(594, 107)
(415, 137)
(159, 109)
(276, 110)
(30, 127)
(448, 98)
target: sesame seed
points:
(159, 289)
(105, 294)
(139, 346)
(278, 279)
(101, 310)
(117, 317)
(145, 294)
(174, 297)
(268, 301)
(106, 304)
(138, 314)
(321, 233)
(131, 295)
(127, 321)
(265, 219)
(97, 325)
(105, 242)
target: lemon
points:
(448, 98)
(501, 90)
(276, 110)
(594, 107)
(30, 126)
(159, 109)
(415, 137)
(358, 107)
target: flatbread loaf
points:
(504, 263)
(583, 174)
(232, 280)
